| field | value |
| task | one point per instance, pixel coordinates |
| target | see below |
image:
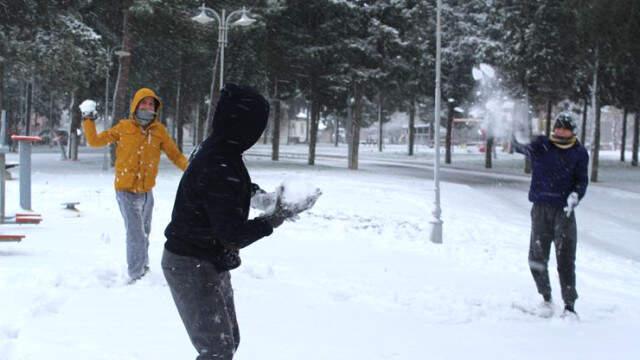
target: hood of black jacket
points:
(239, 121)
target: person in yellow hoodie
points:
(139, 140)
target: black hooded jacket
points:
(211, 210)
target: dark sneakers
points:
(547, 298)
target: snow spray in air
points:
(501, 115)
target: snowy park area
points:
(354, 278)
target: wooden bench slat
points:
(26, 220)
(11, 237)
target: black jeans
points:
(204, 299)
(551, 224)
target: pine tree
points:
(551, 47)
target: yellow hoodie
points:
(137, 148)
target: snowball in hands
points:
(88, 108)
(572, 202)
(297, 197)
(289, 199)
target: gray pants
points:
(136, 209)
(204, 299)
(551, 224)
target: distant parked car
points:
(53, 138)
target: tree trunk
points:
(313, 129)
(308, 122)
(178, 119)
(583, 130)
(447, 139)
(488, 148)
(2, 84)
(5, 123)
(595, 148)
(275, 133)
(527, 160)
(122, 81)
(72, 139)
(347, 126)
(173, 126)
(412, 126)
(202, 119)
(488, 152)
(432, 131)
(288, 130)
(337, 132)
(164, 116)
(636, 139)
(380, 103)
(50, 125)
(547, 129)
(63, 151)
(195, 123)
(265, 136)
(354, 140)
(623, 138)
(55, 125)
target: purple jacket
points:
(556, 172)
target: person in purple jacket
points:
(559, 181)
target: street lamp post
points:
(114, 51)
(436, 223)
(223, 27)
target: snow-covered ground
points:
(355, 278)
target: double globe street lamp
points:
(223, 27)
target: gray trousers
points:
(551, 224)
(136, 210)
(204, 299)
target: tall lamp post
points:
(223, 27)
(121, 53)
(436, 223)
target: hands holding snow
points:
(88, 109)
(284, 203)
(279, 212)
(572, 202)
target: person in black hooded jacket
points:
(209, 224)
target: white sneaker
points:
(545, 309)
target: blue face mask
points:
(144, 117)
